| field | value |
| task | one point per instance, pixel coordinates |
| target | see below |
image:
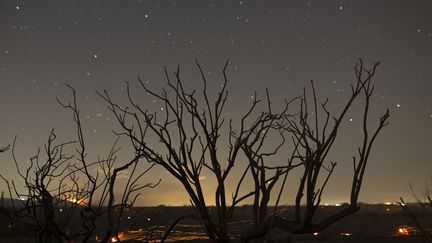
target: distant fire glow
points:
(403, 231)
(75, 200)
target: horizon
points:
(323, 204)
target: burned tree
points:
(189, 133)
(45, 191)
(264, 175)
(65, 196)
(107, 202)
(420, 213)
(315, 138)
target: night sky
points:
(279, 45)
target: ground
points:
(373, 223)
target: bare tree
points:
(316, 138)
(189, 132)
(4, 208)
(265, 176)
(60, 186)
(188, 135)
(108, 182)
(42, 178)
(420, 217)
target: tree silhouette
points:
(421, 217)
(197, 129)
(189, 129)
(59, 185)
(184, 138)
(315, 138)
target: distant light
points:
(397, 105)
(338, 204)
(17, 7)
(129, 217)
(387, 203)
(403, 231)
(146, 15)
(316, 233)
(61, 209)
(345, 234)
(387, 209)
(148, 219)
(340, 7)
